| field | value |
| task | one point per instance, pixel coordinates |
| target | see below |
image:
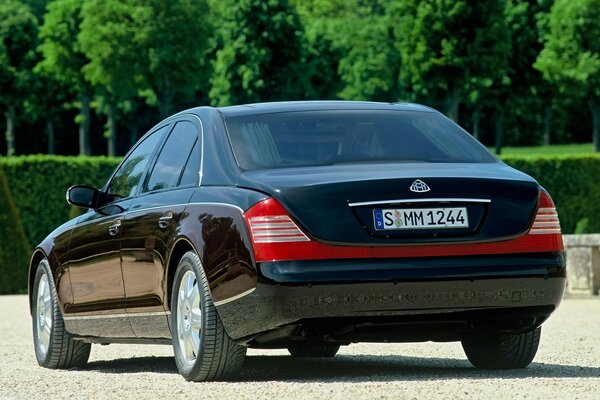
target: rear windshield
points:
(312, 138)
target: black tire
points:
(217, 356)
(501, 351)
(54, 346)
(313, 350)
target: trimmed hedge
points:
(14, 249)
(37, 189)
(38, 185)
(574, 184)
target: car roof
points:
(292, 106)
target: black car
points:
(306, 226)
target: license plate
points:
(420, 218)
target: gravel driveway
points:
(567, 367)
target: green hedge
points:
(574, 184)
(39, 183)
(35, 203)
(37, 186)
(14, 249)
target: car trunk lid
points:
(343, 203)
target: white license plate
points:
(420, 218)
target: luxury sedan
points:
(306, 226)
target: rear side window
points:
(169, 167)
(310, 138)
(127, 178)
(191, 173)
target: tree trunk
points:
(84, 127)
(452, 103)
(475, 118)
(499, 132)
(11, 115)
(594, 104)
(112, 129)
(51, 136)
(548, 116)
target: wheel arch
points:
(181, 246)
(37, 256)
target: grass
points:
(552, 150)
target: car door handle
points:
(113, 230)
(165, 219)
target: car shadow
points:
(355, 368)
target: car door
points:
(149, 227)
(95, 249)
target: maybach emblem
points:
(419, 186)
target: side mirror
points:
(83, 196)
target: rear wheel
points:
(312, 350)
(502, 351)
(203, 350)
(54, 346)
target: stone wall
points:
(583, 263)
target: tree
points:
(18, 36)
(261, 59)
(571, 55)
(179, 42)
(113, 36)
(445, 44)
(64, 59)
(370, 67)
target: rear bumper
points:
(274, 305)
(548, 265)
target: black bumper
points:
(534, 288)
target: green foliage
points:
(63, 56)
(370, 68)
(179, 41)
(582, 226)
(38, 185)
(18, 37)
(556, 150)
(448, 46)
(63, 60)
(14, 249)
(112, 35)
(571, 54)
(261, 59)
(572, 182)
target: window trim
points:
(104, 189)
(200, 136)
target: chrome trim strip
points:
(201, 172)
(129, 212)
(430, 200)
(236, 297)
(210, 203)
(111, 316)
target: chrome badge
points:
(419, 186)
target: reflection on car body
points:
(306, 226)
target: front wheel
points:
(203, 350)
(54, 346)
(502, 351)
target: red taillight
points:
(275, 236)
(546, 219)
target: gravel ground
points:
(567, 366)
